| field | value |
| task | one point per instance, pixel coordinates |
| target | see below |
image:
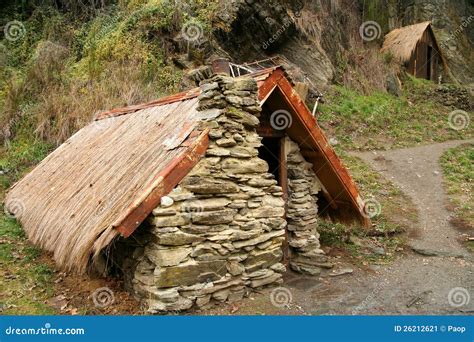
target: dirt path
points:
(418, 173)
(413, 283)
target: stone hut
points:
(415, 47)
(199, 197)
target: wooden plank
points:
(283, 175)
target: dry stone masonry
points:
(219, 233)
(302, 214)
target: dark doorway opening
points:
(429, 62)
(270, 151)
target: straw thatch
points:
(70, 203)
(401, 42)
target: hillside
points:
(63, 62)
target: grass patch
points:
(26, 281)
(383, 121)
(397, 216)
(459, 182)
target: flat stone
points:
(341, 271)
(226, 142)
(203, 301)
(155, 306)
(168, 256)
(243, 84)
(253, 165)
(235, 268)
(263, 259)
(268, 211)
(278, 267)
(275, 277)
(164, 211)
(221, 295)
(432, 252)
(240, 116)
(243, 152)
(189, 273)
(213, 217)
(169, 221)
(206, 204)
(218, 151)
(259, 239)
(261, 182)
(212, 187)
(179, 194)
(178, 238)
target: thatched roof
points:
(401, 42)
(89, 189)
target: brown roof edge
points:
(167, 180)
(278, 78)
(185, 95)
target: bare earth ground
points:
(414, 283)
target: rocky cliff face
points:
(322, 37)
(453, 23)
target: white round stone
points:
(166, 201)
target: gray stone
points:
(274, 278)
(169, 221)
(259, 239)
(213, 217)
(212, 187)
(263, 259)
(164, 211)
(178, 238)
(168, 256)
(206, 204)
(155, 306)
(253, 165)
(235, 268)
(268, 211)
(226, 142)
(189, 273)
(221, 295)
(166, 201)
